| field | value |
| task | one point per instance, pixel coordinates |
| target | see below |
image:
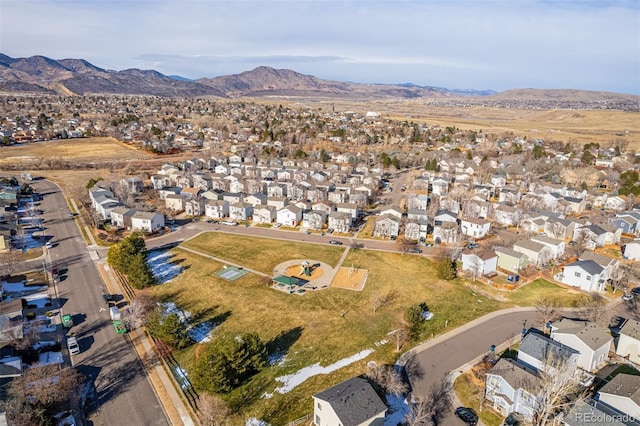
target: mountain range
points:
(39, 74)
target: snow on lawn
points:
(49, 358)
(21, 288)
(38, 300)
(171, 308)
(290, 381)
(201, 333)
(398, 409)
(163, 269)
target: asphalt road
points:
(124, 392)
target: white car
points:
(627, 296)
(48, 245)
(72, 345)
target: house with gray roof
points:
(147, 221)
(511, 260)
(537, 253)
(590, 413)
(628, 345)
(584, 274)
(540, 352)
(513, 388)
(622, 394)
(591, 341)
(351, 403)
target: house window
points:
(588, 277)
(318, 420)
(577, 274)
(319, 406)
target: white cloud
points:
(484, 44)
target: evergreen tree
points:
(446, 269)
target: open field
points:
(318, 327)
(96, 150)
(582, 126)
(528, 294)
(261, 254)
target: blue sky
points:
(482, 44)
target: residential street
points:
(125, 394)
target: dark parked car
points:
(467, 415)
(335, 242)
(636, 291)
(415, 250)
(473, 245)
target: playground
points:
(300, 275)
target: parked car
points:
(415, 250)
(636, 291)
(48, 245)
(72, 345)
(230, 223)
(627, 296)
(473, 245)
(335, 242)
(467, 415)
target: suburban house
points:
(289, 216)
(194, 207)
(314, 219)
(539, 352)
(584, 274)
(476, 228)
(510, 260)
(479, 262)
(240, 211)
(446, 233)
(11, 320)
(216, 209)
(256, 199)
(513, 388)
(632, 250)
(121, 217)
(415, 229)
(622, 394)
(351, 208)
(592, 342)
(628, 222)
(147, 221)
(350, 403)
(264, 214)
(278, 202)
(628, 345)
(609, 264)
(174, 202)
(392, 211)
(507, 215)
(557, 246)
(387, 226)
(538, 254)
(585, 413)
(340, 222)
(105, 204)
(559, 228)
(444, 216)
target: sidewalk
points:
(174, 407)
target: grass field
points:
(319, 327)
(528, 294)
(83, 149)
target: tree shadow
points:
(281, 344)
(412, 370)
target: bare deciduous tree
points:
(432, 408)
(386, 378)
(379, 299)
(8, 263)
(560, 388)
(401, 335)
(547, 310)
(594, 308)
(620, 277)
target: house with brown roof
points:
(480, 262)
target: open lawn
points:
(318, 327)
(261, 254)
(528, 294)
(97, 150)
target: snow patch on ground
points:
(163, 269)
(171, 308)
(398, 409)
(252, 421)
(39, 300)
(20, 288)
(290, 381)
(49, 358)
(201, 333)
